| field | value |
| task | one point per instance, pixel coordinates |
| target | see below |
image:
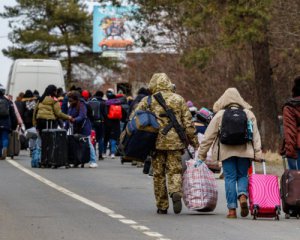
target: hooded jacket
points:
(232, 98)
(28, 107)
(49, 109)
(291, 124)
(9, 122)
(171, 141)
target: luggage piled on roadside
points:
(199, 187)
(290, 192)
(264, 196)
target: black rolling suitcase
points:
(14, 144)
(290, 192)
(54, 148)
(78, 150)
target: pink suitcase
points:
(264, 195)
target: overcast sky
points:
(5, 62)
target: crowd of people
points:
(107, 115)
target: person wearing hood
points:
(29, 103)
(166, 160)
(291, 129)
(8, 121)
(235, 158)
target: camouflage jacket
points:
(171, 141)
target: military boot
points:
(177, 205)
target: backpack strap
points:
(149, 101)
(173, 121)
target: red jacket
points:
(291, 125)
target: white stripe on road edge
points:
(145, 230)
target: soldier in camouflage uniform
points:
(167, 157)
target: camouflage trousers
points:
(166, 166)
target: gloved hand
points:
(198, 163)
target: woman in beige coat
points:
(235, 158)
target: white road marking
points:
(140, 228)
(116, 216)
(153, 234)
(143, 229)
(128, 221)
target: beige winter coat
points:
(232, 98)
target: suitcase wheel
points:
(255, 213)
(277, 213)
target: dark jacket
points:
(135, 102)
(102, 106)
(10, 122)
(291, 127)
(28, 107)
(82, 124)
(64, 105)
(112, 128)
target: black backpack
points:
(95, 106)
(4, 107)
(234, 127)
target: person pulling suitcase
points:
(81, 124)
(235, 132)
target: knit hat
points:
(189, 104)
(85, 94)
(111, 90)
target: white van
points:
(34, 74)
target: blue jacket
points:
(64, 105)
(82, 124)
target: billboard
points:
(111, 29)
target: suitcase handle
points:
(284, 160)
(263, 161)
(47, 124)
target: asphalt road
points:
(111, 202)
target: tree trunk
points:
(69, 70)
(267, 112)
